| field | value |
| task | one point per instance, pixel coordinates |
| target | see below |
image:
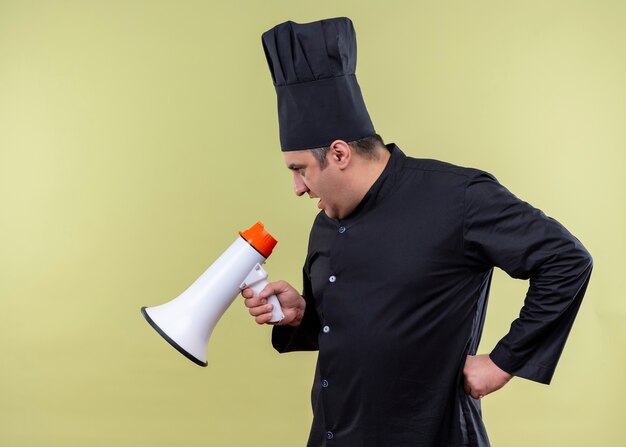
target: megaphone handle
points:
(257, 280)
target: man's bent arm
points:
(501, 230)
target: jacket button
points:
(342, 230)
(326, 329)
(329, 435)
(324, 383)
(332, 278)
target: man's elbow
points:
(586, 260)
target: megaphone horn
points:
(187, 321)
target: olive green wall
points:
(138, 137)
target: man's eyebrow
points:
(294, 166)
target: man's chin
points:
(329, 214)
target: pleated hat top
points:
(313, 67)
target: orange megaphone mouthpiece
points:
(261, 240)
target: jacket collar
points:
(383, 185)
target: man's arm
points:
(501, 230)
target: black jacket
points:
(396, 299)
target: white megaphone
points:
(187, 321)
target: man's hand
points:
(290, 300)
(481, 376)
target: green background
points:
(137, 138)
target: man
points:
(399, 264)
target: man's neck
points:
(364, 174)
(371, 170)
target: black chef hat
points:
(313, 67)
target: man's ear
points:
(340, 154)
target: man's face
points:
(318, 183)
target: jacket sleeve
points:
(501, 230)
(304, 337)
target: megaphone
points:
(186, 322)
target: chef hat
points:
(313, 68)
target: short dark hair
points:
(366, 147)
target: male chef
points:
(399, 263)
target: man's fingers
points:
(257, 306)
(263, 319)
(260, 310)
(254, 301)
(471, 386)
(474, 394)
(247, 293)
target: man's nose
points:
(299, 186)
